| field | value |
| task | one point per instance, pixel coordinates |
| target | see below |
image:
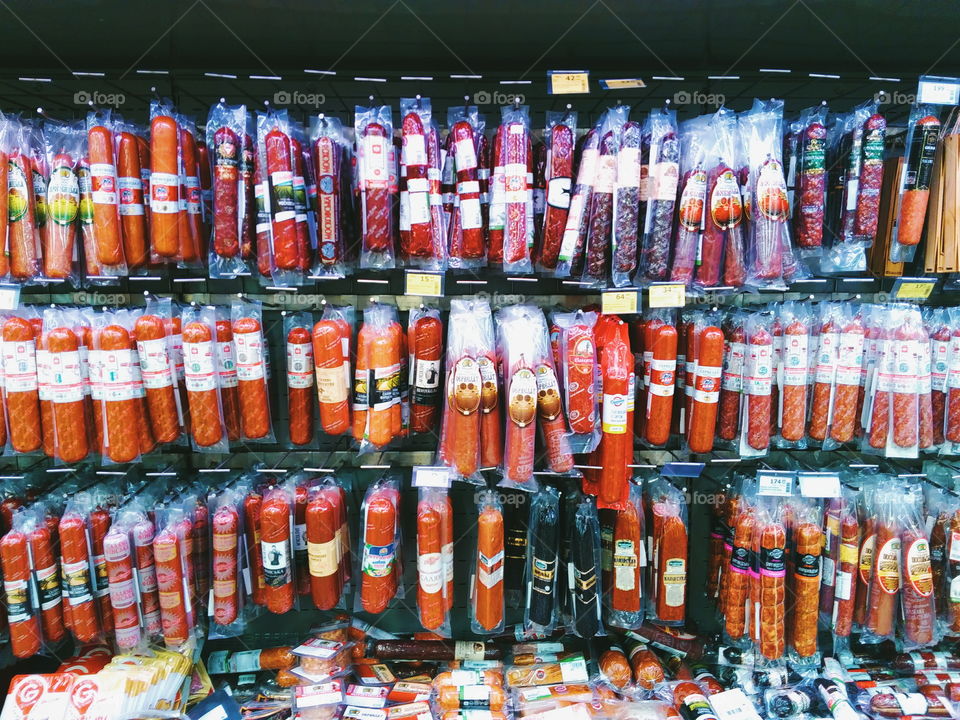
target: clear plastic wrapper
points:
(374, 130)
(574, 240)
(757, 386)
(64, 149)
(626, 212)
(881, 601)
(659, 377)
(695, 139)
(433, 516)
(810, 197)
(171, 556)
(380, 353)
(625, 567)
(21, 393)
(518, 332)
(416, 230)
(617, 380)
(919, 626)
(472, 394)
(253, 391)
(27, 622)
(846, 389)
(275, 158)
(80, 606)
(560, 138)
(336, 382)
(770, 258)
(424, 346)
(64, 388)
(297, 331)
(603, 200)
(164, 182)
(158, 370)
(731, 381)
(276, 549)
(583, 570)
(516, 159)
(487, 578)
(845, 572)
(306, 222)
(923, 138)
(328, 153)
(666, 529)
(540, 615)
(226, 125)
(208, 429)
(662, 182)
(578, 377)
(380, 570)
(227, 597)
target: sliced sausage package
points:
(380, 570)
(574, 240)
(301, 425)
(277, 193)
(807, 544)
(380, 386)
(516, 158)
(624, 562)
(64, 150)
(471, 412)
(328, 154)
(666, 528)
(756, 401)
(923, 138)
(162, 386)
(23, 235)
(919, 626)
(696, 136)
(560, 138)
(64, 388)
(375, 158)
(810, 170)
(425, 350)
(434, 560)
(252, 387)
(543, 538)
(662, 182)
(597, 260)
(165, 222)
(226, 126)
(337, 386)
(487, 573)
(203, 381)
(770, 259)
(578, 372)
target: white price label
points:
(733, 705)
(775, 485)
(9, 297)
(819, 485)
(424, 476)
(939, 91)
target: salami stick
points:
(601, 210)
(559, 178)
(663, 180)
(414, 159)
(300, 370)
(812, 179)
(626, 220)
(871, 178)
(326, 158)
(578, 217)
(467, 216)
(807, 540)
(518, 231)
(731, 387)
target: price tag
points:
(667, 295)
(620, 302)
(425, 284)
(733, 705)
(776, 485)
(622, 84)
(568, 82)
(9, 297)
(913, 288)
(938, 90)
(424, 476)
(819, 485)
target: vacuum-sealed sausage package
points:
(578, 369)
(203, 381)
(225, 129)
(667, 567)
(328, 155)
(757, 386)
(380, 402)
(425, 351)
(375, 159)
(227, 599)
(540, 615)
(332, 338)
(625, 567)
(64, 388)
(516, 158)
(599, 241)
(810, 195)
(846, 397)
(661, 196)
(252, 387)
(487, 572)
(422, 239)
(297, 332)
(807, 544)
(434, 560)
(163, 388)
(380, 569)
(191, 197)
(64, 148)
(560, 138)
(584, 605)
(574, 240)
(695, 138)
(923, 138)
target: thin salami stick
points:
(227, 187)
(518, 231)
(904, 399)
(846, 577)
(793, 393)
(437, 228)
(812, 179)
(757, 377)
(467, 218)
(663, 180)
(300, 205)
(578, 217)
(827, 357)
(326, 158)
(133, 219)
(940, 363)
(626, 216)
(559, 177)
(601, 211)
(731, 384)
(849, 362)
(414, 159)
(248, 223)
(871, 178)
(690, 223)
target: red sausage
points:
(300, 385)
(164, 186)
(103, 178)
(275, 553)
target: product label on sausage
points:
(378, 559)
(361, 388)
(918, 570)
(906, 366)
(430, 572)
(865, 566)
(374, 161)
(43, 373)
(131, 195)
(662, 181)
(426, 381)
(625, 564)
(850, 358)
(384, 386)
(628, 163)
(706, 388)
(558, 192)
(674, 580)
(76, 582)
(614, 409)
(726, 209)
(18, 601)
(164, 193)
(758, 370)
(807, 565)
(249, 353)
(332, 387)
(300, 368)
(662, 376)
(20, 366)
(49, 587)
(794, 364)
(226, 365)
(772, 562)
(471, 217)
(489, 569)
(692, 201)
(323, 558)
(63, 195)
(888, 566)
(154, 363)
(103, 183)
(827, 357)
(772, 192)
(276, 563)
(117, 375)
(489, 389)
(843, 585)
(66, 381)
(198, 366)
(732, 379)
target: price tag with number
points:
(622, 84)
(775, 484)
(938, 90)
(425, 284)
(819, 485)
(425, 476)
(568, 82)
(913, 288)
(620, 302)
(667, 295)
(9, 297)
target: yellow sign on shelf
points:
(569, 83)
(915, 289)
(426, 284)
(620, 302)
(667, 296)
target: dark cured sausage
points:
(226, 192)
(560, 175)
(601, 210)
(375, 189)
(871, 178)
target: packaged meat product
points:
(541, 599)
(583, 568)
(661, 195)
(328, 155)
(487, 584)
(666, 529)
(225, 128)
(380, 561)
(561, 139)
(923, 138)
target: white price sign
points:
(438, 477)
(733, 705)
(9, 297)
(819, 485)
(938, 90)
(775, 485)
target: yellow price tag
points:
(914, 290)
(569, 83)
(622, 84)
(667, 296)
(620, 302)
(426, 284)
